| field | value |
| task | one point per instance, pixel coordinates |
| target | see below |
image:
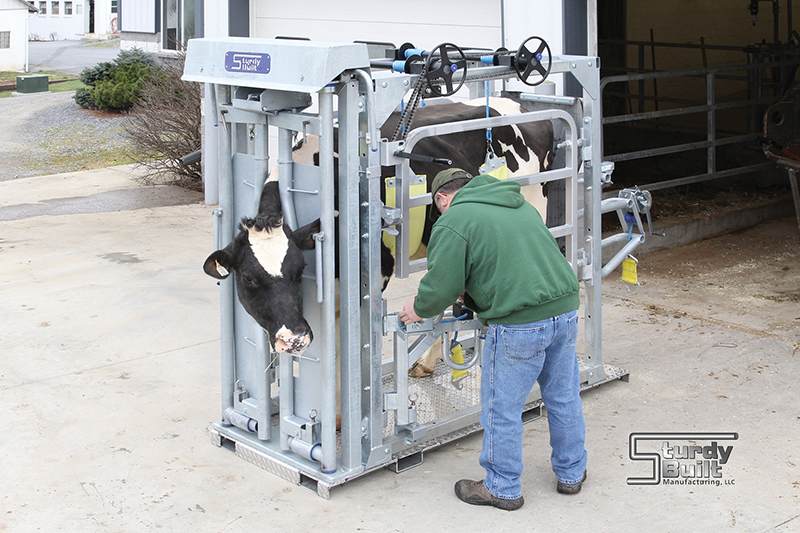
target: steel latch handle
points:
(318, 238)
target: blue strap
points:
(488, 130)
(402, 110)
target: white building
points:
(14, 15)
(158, 25)
(74, 19)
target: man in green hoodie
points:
(493, 247)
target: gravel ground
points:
(49, 134)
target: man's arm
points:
(445, 279)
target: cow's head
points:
(268, 263)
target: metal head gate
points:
(280, 410)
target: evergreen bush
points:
(115, 85)
(120, 90)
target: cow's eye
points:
(249, 281)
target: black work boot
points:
(571, 488)
(473, 492)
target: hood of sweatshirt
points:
(486, 189)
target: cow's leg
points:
(425, 365)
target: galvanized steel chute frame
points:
(279, 411)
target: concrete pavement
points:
(110, 382)
(70, 57)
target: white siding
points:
(138, 16)
(11, 4)
(527, 18)
(62, 26)
(425, 24)
(14, 20)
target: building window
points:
(43, 8)
(68, 8)
(114, 6)
(54, 8)
(79, 9)
(5, 39)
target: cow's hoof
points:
(418, 370)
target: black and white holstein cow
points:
(266, 255)
(268, 264)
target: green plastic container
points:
(35, 83)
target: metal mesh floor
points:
(435, 396)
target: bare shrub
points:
(164, 126)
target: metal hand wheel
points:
(440, 66)
(527, 62)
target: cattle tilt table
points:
(279, 411)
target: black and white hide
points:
(267, 263)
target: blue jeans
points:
(514, 358)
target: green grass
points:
(66, 86)
(51, 74)
(72, 85)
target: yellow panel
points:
(417, 215)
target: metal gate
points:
(279, 410)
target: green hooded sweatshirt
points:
(493, 246)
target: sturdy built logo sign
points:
(683, 458)
(247, 62)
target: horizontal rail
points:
(688, 110)
(674, 149)
(705, 177)
(693, 72)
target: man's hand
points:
(408, 315)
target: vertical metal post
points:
(286, 395)
(261, 152)
(571, 196)
(401, 378)
(285, 176)
(372, 316)
(328, 358)
(711, 123)
(227, 292)
(592, 124)
(403, 177)
(641, 82)
(795, 192)
(349, 274)
(752, 110)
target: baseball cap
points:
(446, 176)
(443, 177)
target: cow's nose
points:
(288, 342)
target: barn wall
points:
(14, 20)
(62, 26)
(466, 23)
(719, 23)
(423, 23)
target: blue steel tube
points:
(328, 357)
(227, 293)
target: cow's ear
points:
(219, 264)
(304, 237)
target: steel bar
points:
(227, 292)
(326, 149)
